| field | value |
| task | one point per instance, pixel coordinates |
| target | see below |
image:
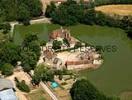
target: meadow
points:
(114, 76)
(42, 31)
(122, 10)
(39, 94)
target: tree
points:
(89, 17)
(9, 53)
(22, 85)
(34, 46)
(30, 52)
(29, 38)
(100, 18)
(65, 41)
(35, 7)
(83, 90)
(10, 9)
(129, 32)
(7, 69)
(91, 4)
(6, 27)
(42, 73)
(29, 60)
(62, 17)
(67, 13)
(23, 15)
(77, 45)
(42, 43)
(106, 2)
(50, 8)
(56, 44)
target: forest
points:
(20, 10)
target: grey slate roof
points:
(5, 84)
(7, 95)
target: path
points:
(12, 27)
(34, 21)
(44, 86)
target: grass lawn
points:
(114, 76)
(42, 30)
(116, 9)
(36, 95)
(126, 96)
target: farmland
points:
(122, 10)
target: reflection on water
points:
(114, 76)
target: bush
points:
(56, 44)
(6, 27)
(64, 83)
(22, 86)
(129, 32)
(60, 77)
(7, 69)
(65, 41)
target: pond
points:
(114, 76)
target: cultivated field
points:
(116, 9)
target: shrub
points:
(7, 69)
(60, 77)
(129, 32)
(6, 27)
(22, 86)
(64, 83)
(65, 41)
(56, 44)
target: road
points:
(44, 86)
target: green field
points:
(114, 76)
(42, 30)
(38, 94)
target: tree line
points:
(106, 2)
(20, 10)
(71, 13)
(27, 53)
